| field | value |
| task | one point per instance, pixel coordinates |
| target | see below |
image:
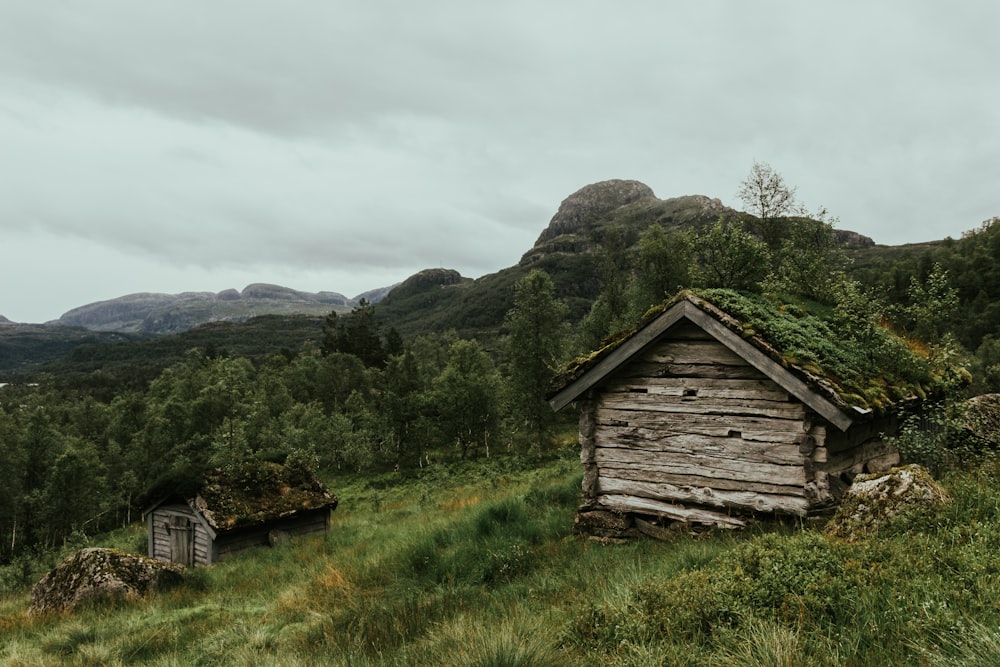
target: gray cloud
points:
(343, 146)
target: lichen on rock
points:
(874, 499)
(100, 575)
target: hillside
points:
(439, 299)
(27, 346)
(476, 564)
(114, 362)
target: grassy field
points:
(476, 564)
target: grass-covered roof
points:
(855, 362)
(255, 492)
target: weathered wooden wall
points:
(159, 535)
(230, 544)
(691, 432)
(226, 544)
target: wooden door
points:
(181, 540)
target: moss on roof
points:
(874, 369)
(255, 492)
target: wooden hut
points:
(695, 417)
(246, 506)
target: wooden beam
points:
(740, 500)
(619, 503)
(703, 465)
(653, 440)
(685, 479)
(635, 344)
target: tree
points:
(467, 394)
(662, 268)
(402, 406)
(932, 304)
(75, 490)
(809, 261)
(535, 324)
(727, 255)
(357, 333)
(766, 195)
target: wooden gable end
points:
(739, 350)
(688, 428)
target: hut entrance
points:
(181, 532)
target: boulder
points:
(981, 418)
(873, 499)
(100, 575)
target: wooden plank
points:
(617, 503)
(750, 426)
(701, 388)
(854, 459)
(717, 406)
(746, 500)
(686, 330)
(651, 440)
(634, 345)
(708, 352)
(702, 465)
(688, 479)
(643, 369)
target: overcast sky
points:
(185, 145)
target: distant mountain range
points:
(158, 314)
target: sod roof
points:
(873, 369)
(255, 492)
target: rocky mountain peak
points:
(593, 201)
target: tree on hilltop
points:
(767, 196)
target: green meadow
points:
(475, 563)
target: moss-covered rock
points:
(982, 418)
(874, 499)
(100, 575)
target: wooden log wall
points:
(692, 432)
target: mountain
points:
(566, 249)
(157, 314)
(433, 300)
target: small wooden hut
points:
(695, 417)
(237, 509)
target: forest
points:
(82, 458)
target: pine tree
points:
(535, 323)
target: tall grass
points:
(477, 566)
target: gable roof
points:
(252, 493)
(836, 399)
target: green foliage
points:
(915, 274)
(359, 334)
(809, 261)
(728, 256)
(662, 268)
(467, 397)
(932, 304)
(534, 345)
(870, 366)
